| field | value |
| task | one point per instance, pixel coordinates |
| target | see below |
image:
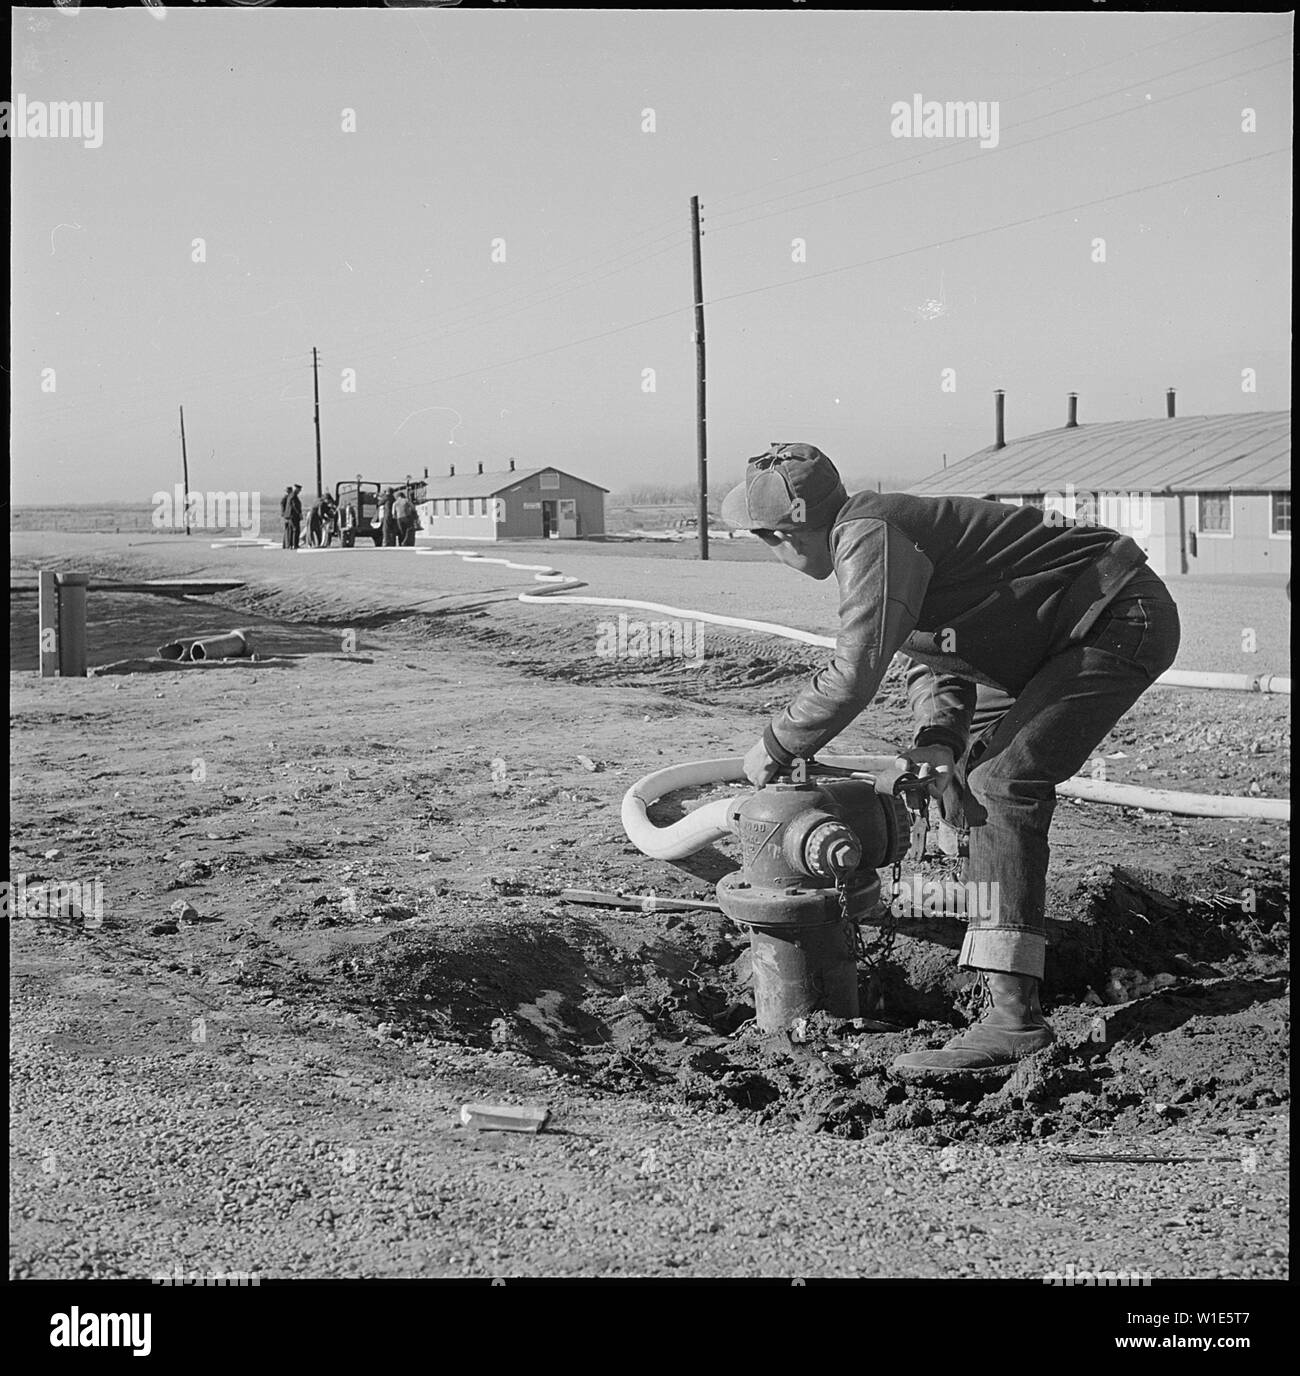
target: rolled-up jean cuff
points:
(1004, 951)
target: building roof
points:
(489, 484)
(1188, 454)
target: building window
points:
(1032, 499)
(446, 506)
(1214, 513)
(458, 501)
(1279, 513)
(550, 480)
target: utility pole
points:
(185, 472)
(315, 386)
(701, 439)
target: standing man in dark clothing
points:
(404, 515)
(286, 516)
(387, 520)
(1065, 621)
(295, 515)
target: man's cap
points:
(791, 487)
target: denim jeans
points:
(1023, 748)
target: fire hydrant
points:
(809, 856)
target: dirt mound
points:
(661, 1007)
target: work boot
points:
(1013, 1027)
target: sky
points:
(481, 218)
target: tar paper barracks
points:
(525, 503)
(1200, 494)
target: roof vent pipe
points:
(512, 465)
(451, 472)
(480, 468)
(1169, 403)
(1072, 417)
(999, 412)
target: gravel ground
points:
(271, 1083)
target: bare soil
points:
(373, 836)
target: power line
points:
(545, 294)
(675, 236)
(973, 156)
(464, 325)
(549, 294)
(1022, 95)
(506, 314)
(994, 229)
(1023, 143)
(847, 267)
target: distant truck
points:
(363, 497)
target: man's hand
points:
(932, 764)
(760, 767)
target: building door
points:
(548, 520)
(568, 518)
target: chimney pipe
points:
(451, 472)
(999, 412)
(512, 465)
(426, 470)
(1072, 418)
(1169, 403)
(480, 469)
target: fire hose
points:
(696, 772)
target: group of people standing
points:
(396, 519)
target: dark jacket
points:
(969, 590)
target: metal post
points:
(185, 473)
(49, 625)
(72, 623)
(315, 386)
(701, 440)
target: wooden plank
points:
(182, 587)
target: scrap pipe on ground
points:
(232, 645)
(212, 645)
